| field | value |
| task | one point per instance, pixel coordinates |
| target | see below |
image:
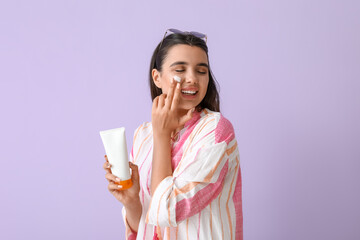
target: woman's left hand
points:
(165, 117)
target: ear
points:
(156, 77)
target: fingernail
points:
(171, 80)
(117, 179)
(178, 85)
(119, 186)
(108, 166)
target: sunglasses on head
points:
(173, 30)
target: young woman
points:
(185, 162)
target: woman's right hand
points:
(165, 116)
(127, 196)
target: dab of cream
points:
(177, 78)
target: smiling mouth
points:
(190, 93)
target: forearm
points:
(133, 215)
(161, 164)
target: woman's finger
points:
(106, 165)
(187, 117)
(135, 171)
(111, 177)
(155, 103)
(176, 98)
(113, 186)
(170, 95)
(162, 100)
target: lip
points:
(190, 97)
(190, 89)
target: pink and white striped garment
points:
(202, 200)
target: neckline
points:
(176, 137)
(195, 117)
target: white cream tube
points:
(114, 141)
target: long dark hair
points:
(211, 99)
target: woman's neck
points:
(181, 113)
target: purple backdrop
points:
(289, 75)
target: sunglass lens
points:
(197, 34)
(175, 30)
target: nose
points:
(191, 77)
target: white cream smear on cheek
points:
(177, 78)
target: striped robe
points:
(202, 200)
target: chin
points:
(187, 108)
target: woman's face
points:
(191, 64)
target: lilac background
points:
(289, 75)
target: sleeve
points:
(141, 133)
(134, 145)
(129, 234)
(199, 179)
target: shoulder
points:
(217, 124)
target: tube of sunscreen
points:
(114, 141)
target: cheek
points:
(204, 88)
(165, 88)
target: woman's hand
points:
(128, 196)
(165, 117)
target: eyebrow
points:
(185, 63)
